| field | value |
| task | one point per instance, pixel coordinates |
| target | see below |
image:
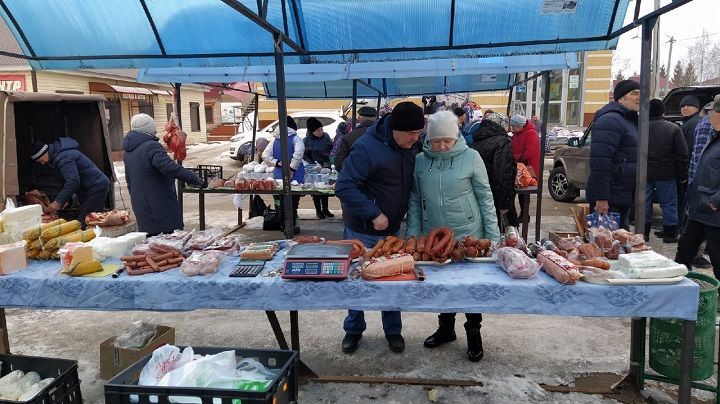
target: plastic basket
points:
(666, 336)
(123, 388)
(65, 389)
(209, 172)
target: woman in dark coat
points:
(491, 140)
(150, 175)
(317, 150)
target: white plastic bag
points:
(238, 200)
(14, 390)
(136, 336)
(35, 389)
(164, 359)
(203, 371)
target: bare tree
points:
(619, 75)
(704, 54)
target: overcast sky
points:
(683, 23)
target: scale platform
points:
(317, 261)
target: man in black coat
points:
(77, 173)
(613, 153)
(366, 117)
(150, 175)
(491, 140)
(690, 110)
(703, 221)
(667, 165)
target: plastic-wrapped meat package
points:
(615, 250)
(512, 238)
(176, 241)
(590, 250)
(628, 239)
(516, 263)
(201, 263)
(565, 244)
(600, 236)
(558, 267)
(203, 239)
(228, 245)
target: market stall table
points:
(457, 287)
(201, 198)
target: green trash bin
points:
(666, 335)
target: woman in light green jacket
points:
(451, 189)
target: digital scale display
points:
(317, 261)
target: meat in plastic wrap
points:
(175, 139)
(203, 239)
(201, 263)
(600, 236)
(516, 263)
(558, 267)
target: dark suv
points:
(571, 165)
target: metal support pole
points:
(377, 112)
(4, 339)
(178, 115)
(638, 326)
(284, 152)
(543, 141)
(255, 123)
(643, 125)
(686, 362)
(277, 329)
(510, 100)
(354, 103)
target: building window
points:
(146, 107)
(169, 110)
(209, 114)
(195, 117)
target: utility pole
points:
(656, 56)
(667, 79)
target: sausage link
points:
(420, 247)
(411, 245)
(378, 245)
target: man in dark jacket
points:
(366, 117)
(703, 222)
(374, 188)
(667, 166)
(613, 153)
(317, 151)
(491, 140)
(77, 173)
(150, 175)
(690, 109)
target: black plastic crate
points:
(209, 172)
(65, 389)
(123, 388)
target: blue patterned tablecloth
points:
(466, 287)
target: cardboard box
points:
(554, 236)
(115, 360)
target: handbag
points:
(272, 219)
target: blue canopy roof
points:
(82, 34)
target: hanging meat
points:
(175, 139)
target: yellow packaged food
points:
(74, 237)
(60, 230)
(35, 233)
(83, 268)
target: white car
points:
(240, 144)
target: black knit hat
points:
(37, 149)
(690, 100)
(407, 117)
(657, 108)
(291, 123)
(313, 124)
(458, 112)
(368, 112)
(624, 87)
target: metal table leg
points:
(201, 208)
(4, 340)
(638, 331)
(277, 329)
(686, 362)
(525, 209)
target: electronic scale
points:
(317, 261)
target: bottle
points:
(333, 175)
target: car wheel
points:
(560, 188)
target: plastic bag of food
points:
(14, 390)
(610, 220)
(628, 239)
(512, 238)
(615, 250)
(601, 236)
(136, 336)
(590, 250)
(516, 263)
(12, 377)
(163, 360)
(201, 263)
(170, 242)
(35, 389)
(203, 239)
(558, 267)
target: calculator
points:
(245, 269)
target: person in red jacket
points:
(526, 150)
(525, 142)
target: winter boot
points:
(318, 209)
(670, 234)
(325, 209)
(445, 333)
(474, 339)
(648, 227)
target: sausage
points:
(417, 256)
(141, 271)
(425, 257)
(558, 267)
(445, 236)
(306, 239)
(410, 245)
(133, 258)
(420, 247)
(152, 263)
(390, 244)
(450, 246)
(597, 263)
(177, 260)
(431, 240)
(398, 246)
(375, 249)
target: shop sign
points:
(574, 81)
(12, 82)
(488, 77)
(559, 6)
(127, 96)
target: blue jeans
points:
(355, 321)
(667, 197)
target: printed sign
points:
(12, 82)
(489, 77)
(559, 6)
(574, 81)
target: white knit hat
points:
(143, 123)
(518, 120)
(442, 124)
